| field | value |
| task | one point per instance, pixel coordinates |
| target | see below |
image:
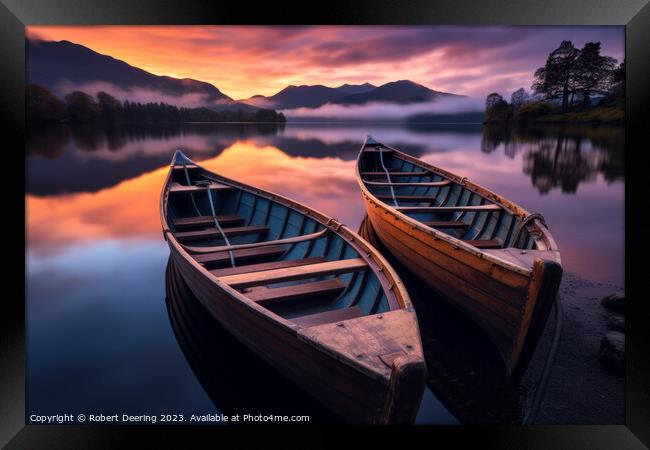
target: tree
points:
(557, 79)
(618, 78)
(492, 99)
(41, 105)
(594, 72)
(109, 107)
(519, 98)
(81, 107)
(497, 109)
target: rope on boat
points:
(381, 159)
(189, 183)
(524, 222)
(530, 417)
(216, 221)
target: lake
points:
(99, 338)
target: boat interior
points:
(280, 258)
(439, 202)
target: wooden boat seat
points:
(243, 280)
(490, 207)
(485, 243)
(336, 315)
(407, 198)
(250, 268)
(243, 255)
(176, 188)
(198, 221)
(182, 167)
(413, 183)
(396, 174)
(447, 224)
(330, 288)
(214, 232)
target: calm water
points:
(99, 338)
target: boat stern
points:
(385, 351)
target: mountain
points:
(305, 96)
(355, 88)
(61, 66)
(403, 91)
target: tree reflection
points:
(561, 157)
(46, 140)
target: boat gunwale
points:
(385, 274)
(482, 191)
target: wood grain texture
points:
(294, 273)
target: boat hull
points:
(510, 306)
(351, 394)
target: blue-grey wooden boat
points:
(303, 291)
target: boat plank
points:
(179, 188)
(490, 207)
(485, 243)
(337, 315)
(266, 266)
(397, 174)
(408, 198)
(224, 220)
(214, 232)
(294, 273)
(414, 183)
(246, 254)
(447, 224)
(297, 292)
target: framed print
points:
(371, 218)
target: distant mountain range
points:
(59, 65)
(64, 66)
(400, 92)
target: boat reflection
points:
(235, 379)
(464, 370)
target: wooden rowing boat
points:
(487, 256)
(304, 292)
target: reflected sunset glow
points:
(130, 209)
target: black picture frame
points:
(633, 14)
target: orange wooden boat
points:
(487, 256)
(304, 292)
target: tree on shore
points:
(41, 105)
(519, 98)
(557, 79)
(569, 71)
(81, 107)
(594, 72)
(497, 109)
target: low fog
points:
(390, 111)
(136, 94)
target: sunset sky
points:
(246, 60)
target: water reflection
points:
(561, 157)
(129, 210)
